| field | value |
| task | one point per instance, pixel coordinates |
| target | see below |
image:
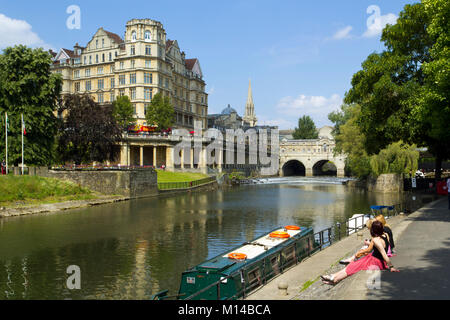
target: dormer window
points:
(148, 36)
(133, 36)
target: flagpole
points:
(6, 128)
(22, 143)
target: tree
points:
(160, 112)
(28, 87)
(350, 141)
(306, 129)
(339, 118)
(396, 158)
(403, 91)
(123, 112)
(432, 106)
(88, 132)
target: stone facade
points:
(136, 183)
(386, 183)
(140, 65)
(306, 157)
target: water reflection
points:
(131, 250)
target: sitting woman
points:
(378, 259)
(387, 229)
(365, 250)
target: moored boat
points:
(234, 274)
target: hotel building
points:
(140, 65)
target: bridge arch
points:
(324, 168)
(294, 168)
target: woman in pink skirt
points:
(377, 260)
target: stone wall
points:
(390, 182)
(135, 183)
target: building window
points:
(96, 44)
(146, 106)
(90, 59)
(148, 94)
(100, 84)
(133, 50)
(113, 83)
(122, 79)
(121, 92)
(100, 98)
(148, 50)
(133, 93)
(167, 83)
(110, 56)
(134, 109)
(103, 57)
(77, 87)
(148, 78)
(76, 74)
(133, 36)
(133, 78)
(88, 85)
(100, 70)
(148, 64)
(112, 97)
(103, 43)
(85, 60)
(121, 65)
(133, 63)
(96, 58)
(87, 72)
(148, 36)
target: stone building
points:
(140, 65)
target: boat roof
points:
(254, 250)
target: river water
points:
(133, 249)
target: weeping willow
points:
(398, 157)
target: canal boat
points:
(234, 274)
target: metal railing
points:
(322, 239)
(185, 185)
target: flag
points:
(23, 127)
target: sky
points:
(300, 55)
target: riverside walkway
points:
(422, 242)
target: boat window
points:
(275, 263)
(289, 254)
(254, 277)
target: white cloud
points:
(211, 90)
(343, 33)
(15, 32)
(317, 107)
(376, 22)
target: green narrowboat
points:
(236, 273)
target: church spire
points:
(249, 116)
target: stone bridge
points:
(310, 158)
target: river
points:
(133, 249)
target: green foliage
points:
(404, 91)
(350, 141)
(398, 157)
(306, 129)
(160, 112)
(29, 188)
(27, 86)
(123, 112)
(339, 118)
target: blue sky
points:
(300, 55)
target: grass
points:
(30, 190)
(166, 176)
